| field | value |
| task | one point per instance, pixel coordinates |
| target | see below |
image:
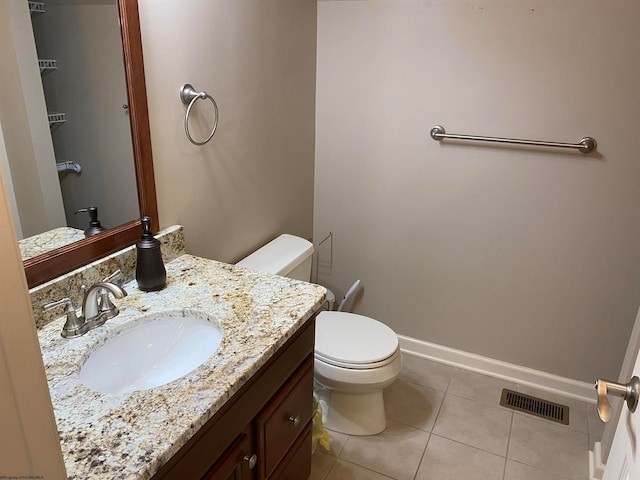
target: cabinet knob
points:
(295, 420)
(251, 460)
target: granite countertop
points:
(50, 240)
(131, 435)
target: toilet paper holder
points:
(629, 392)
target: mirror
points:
(68, 257)
(79, 49)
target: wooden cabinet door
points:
(238, 462)
(284, 418)
(296, 465)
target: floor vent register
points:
(535, 406)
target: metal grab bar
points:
(189, 96)
(585, 145)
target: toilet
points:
(356, 357)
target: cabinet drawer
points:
(285, 418)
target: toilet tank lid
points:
(279, 256)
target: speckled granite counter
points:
(129, 436)
(50, 240)
(69, 284)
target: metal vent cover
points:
(535, 406)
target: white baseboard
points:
(496, 368)
(596, 467)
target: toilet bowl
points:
(356, 357)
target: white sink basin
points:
(151, 354)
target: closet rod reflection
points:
(585, 145)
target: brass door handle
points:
(628, 392)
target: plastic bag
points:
(319, 435)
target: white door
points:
(624, 458)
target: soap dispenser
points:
(150, 272)
(94, 227)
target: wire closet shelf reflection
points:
(189, 96)
(585, 145)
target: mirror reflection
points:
(89, 167)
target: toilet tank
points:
(287, 255)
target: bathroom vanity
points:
(264, 430)
(243, 413)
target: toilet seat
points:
(354, 341)
(358, 366)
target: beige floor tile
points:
(475, 424)
(577, 408)
(448, 460)
(426, 372)
(396, 452)
(343, 470)
(413, 405)
(477, 387)
(321, 463)
(470, 434)
(548, 446)
(519, 471)
(336, 442)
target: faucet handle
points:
(74, 326)
(113, 276)
(105, 306)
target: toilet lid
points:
(353, 341)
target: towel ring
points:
(188, 95)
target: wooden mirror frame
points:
(62, 260)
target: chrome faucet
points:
(94, 313)
(90, 307)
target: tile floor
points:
(445, 423)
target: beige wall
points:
(29, 443)
(522, 255)
(254, 180)
(24, 124)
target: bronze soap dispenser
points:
(150, 272)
